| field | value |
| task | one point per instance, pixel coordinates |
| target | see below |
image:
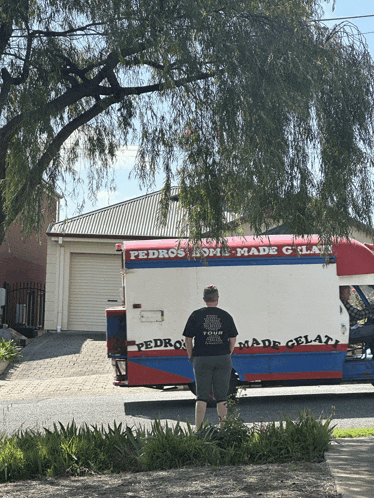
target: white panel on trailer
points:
(277, 302)
(95, 284)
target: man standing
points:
(358, 333)
(214, 334)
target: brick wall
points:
(22, 257)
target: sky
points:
(349, 8)
(128, 188)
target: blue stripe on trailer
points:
(303, 362)
(187, 263)
(280, 363)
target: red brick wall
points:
(22, 257)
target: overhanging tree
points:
(252, 107)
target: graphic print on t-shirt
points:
(212, 330)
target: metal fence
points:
(25, 305)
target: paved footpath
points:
(60, 365)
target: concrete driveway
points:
(60, 365)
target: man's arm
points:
(357, 314)
(232, 344)
(233, 333)
(188, 341)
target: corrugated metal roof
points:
(134, 218)
(138, 217)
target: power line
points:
(343, 18)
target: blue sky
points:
(349, 8)
(127, 188)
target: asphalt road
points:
(67, 376)
(352, 406)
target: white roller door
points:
(95, 284)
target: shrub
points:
(304, 439)
(9, 351)
(12, 460)
(77, 451)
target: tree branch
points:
(51, 34)
(6, 31)
(36, 176)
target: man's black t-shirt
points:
(212, 328)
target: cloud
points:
(126, 157)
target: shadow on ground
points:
(265, 408)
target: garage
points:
(95, 284)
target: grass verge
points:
(352, 433)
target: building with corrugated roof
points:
(83, 269)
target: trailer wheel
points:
(232, 389)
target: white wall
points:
(59, 251)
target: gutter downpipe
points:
(61, 284)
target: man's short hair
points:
(343, 287)
(210, 293)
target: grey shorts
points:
(212, 373)
(362, 333)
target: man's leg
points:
(221, 382)
(203, 378)
(363, 333)
(200, 409)
(222, 412)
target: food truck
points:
(282, 292)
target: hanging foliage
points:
(251, 107)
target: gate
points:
(25, 305)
